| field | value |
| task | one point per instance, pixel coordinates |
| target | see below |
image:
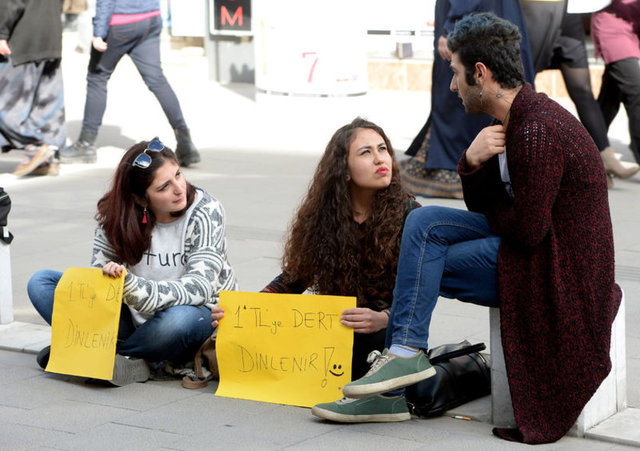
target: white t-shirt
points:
(504, 172)
(165, 259)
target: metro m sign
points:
(230, 16)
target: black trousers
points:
(621, 84)
(557, 42)
(141, 41)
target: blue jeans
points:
(444, 252)
(174, 334)
(141, 41)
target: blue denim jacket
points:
(106, 8)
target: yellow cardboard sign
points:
(283, 348)
(84, 324)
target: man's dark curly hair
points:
(488, 39)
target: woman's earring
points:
(144, 215)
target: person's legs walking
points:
(46, 121)
(48, 114)
(17, 96)
(120, 40)
(578, 83)
(626, 74)
(579, 86)
(609, 97)
(146, 56)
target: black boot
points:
(82, 151)
(185, 150)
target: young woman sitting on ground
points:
(151, 214)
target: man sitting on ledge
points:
(536, 242)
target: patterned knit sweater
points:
(207, 270)
(558, 297)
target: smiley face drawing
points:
(336, 371)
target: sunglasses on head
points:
(144, 160)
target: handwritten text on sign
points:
(283, 348)
(84, 324)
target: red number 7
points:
(313, 65)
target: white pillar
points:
(6, 293)
(611, 396)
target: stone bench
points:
(610, 398)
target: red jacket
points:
(558, 297)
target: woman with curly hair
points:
(345, 237)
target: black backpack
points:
(462, 375)
(5, 207)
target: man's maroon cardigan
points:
(558, 297)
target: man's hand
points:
(489, 142)
(443, 50)
(4, 48)
(364, 320)
(99, 44)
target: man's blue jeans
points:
(444, 252)
(174, 334)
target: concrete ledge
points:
(609, 399)
(611, 396)
(622, 428)
(24, 337)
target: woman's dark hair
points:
(118, 212)
(326, 249)
(495, 42)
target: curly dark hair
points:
(118, 213)
(326, 249)
(491, 40)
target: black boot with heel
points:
(185, 150)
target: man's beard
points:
(473, 103)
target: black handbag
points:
(462, 375)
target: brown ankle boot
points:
(614, 167)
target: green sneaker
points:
(389, 372)
(375, 409)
